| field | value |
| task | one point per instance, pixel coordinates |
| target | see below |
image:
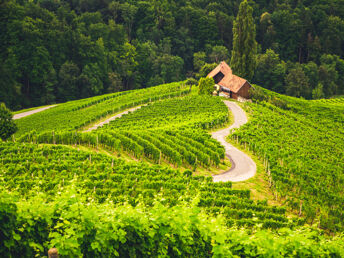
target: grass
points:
(258, 184)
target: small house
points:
(229, 84)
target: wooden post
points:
(300, 211)
(53, 253)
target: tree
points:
(92, 75)
(244, 51)
(206, 86)
(270, 71)
(7, 125)
(128, 15)
(297, 83)
(207, 68)
(128, 65)
(198, 60)
(218, 54)
(49, 84)
(68, 77)
(115, 82)
(318, 92)
(311, 71)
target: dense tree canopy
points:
(58, 50)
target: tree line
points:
(58, 50)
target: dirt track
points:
(27, 113)
(243, 167)
(111, 118)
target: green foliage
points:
(206, 69)
(318, 92)
(8, 217)
(206, 86)
(161, 131)
(297, 83)
(121, 45)
(199, 60)
(257, 94)
(190, 111)
(302, 147)
(104, 178)
(76, 114)
(218, 54)
(78, 226)
(270, 71)
(191, 81)
(243, 60)
(7, 125)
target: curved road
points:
(27, 113)
(243, 167)
(111, 118)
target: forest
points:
(54, 51)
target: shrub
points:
(7, 125)
(206, 86)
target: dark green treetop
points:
(244, 51)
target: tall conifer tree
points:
(244, 51)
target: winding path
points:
(243, 167)
(111, 118)
(27, 113)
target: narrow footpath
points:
(243, 167)
(111, 118)
(27, 113)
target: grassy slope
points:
(76, 114)
(238, 241)
(303, 142)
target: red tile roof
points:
(230, 81)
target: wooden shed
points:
(230, 84)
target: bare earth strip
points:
(111, 118)
(24, 114)
(243, 167)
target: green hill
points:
(130, 188)
(302, 143)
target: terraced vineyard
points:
(335, 101)
(191, 111)
(169, 130)
(87, 203)
(28, 168)
(304, 148)
(99, 205)
(76, 114)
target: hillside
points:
(132, 187)
(302, 143)
(53, 51)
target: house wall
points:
(244, 91)
(234, 95)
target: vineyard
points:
(70, 189)
(303, 148)
(49, 170)
(77, 114)
(335, 101)
(170, 130)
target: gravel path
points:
(27, 113)
(111, 118)
(243, 167)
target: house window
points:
(218, 77)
